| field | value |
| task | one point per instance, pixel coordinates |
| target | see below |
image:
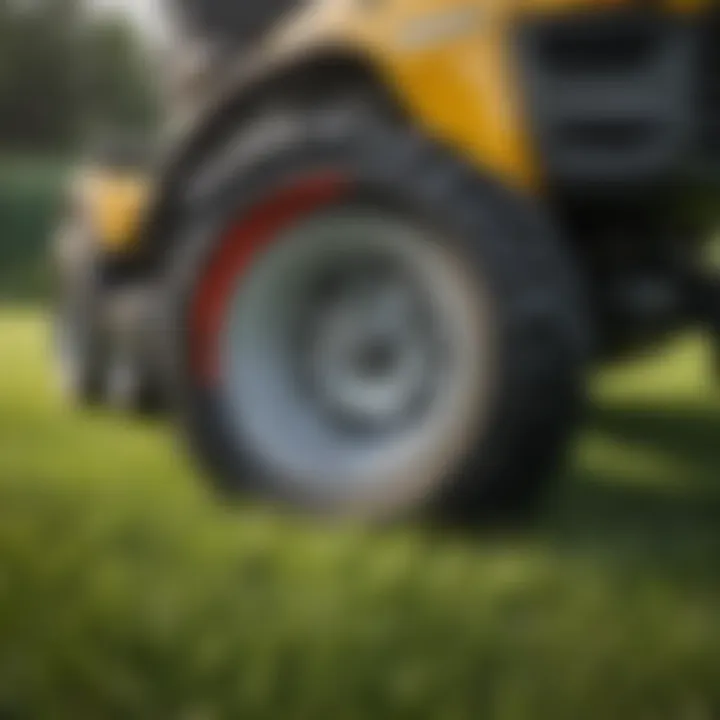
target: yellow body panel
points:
(449, 62)
(115, 203)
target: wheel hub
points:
(371, 354)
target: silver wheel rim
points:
(293, 392)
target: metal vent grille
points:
(611, 96)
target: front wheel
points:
(78, 343)
(364, 326)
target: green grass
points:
(127, 591)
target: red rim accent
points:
(241, 244)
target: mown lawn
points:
(126, 591)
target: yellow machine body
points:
(449, 63)
(114, 203)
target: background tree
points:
(65, 72)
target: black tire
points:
(539, 319)
(78, 341)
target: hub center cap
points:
(371, 357)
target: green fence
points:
(30, 196)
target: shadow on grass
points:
(629, 521)
(689, 435)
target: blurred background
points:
(70, 70)
(126, 591)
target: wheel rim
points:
(353, 357)
(368, 357)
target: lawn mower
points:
(380, 243)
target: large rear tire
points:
(502, 338)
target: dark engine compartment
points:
(624, 108)
(623, 100)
